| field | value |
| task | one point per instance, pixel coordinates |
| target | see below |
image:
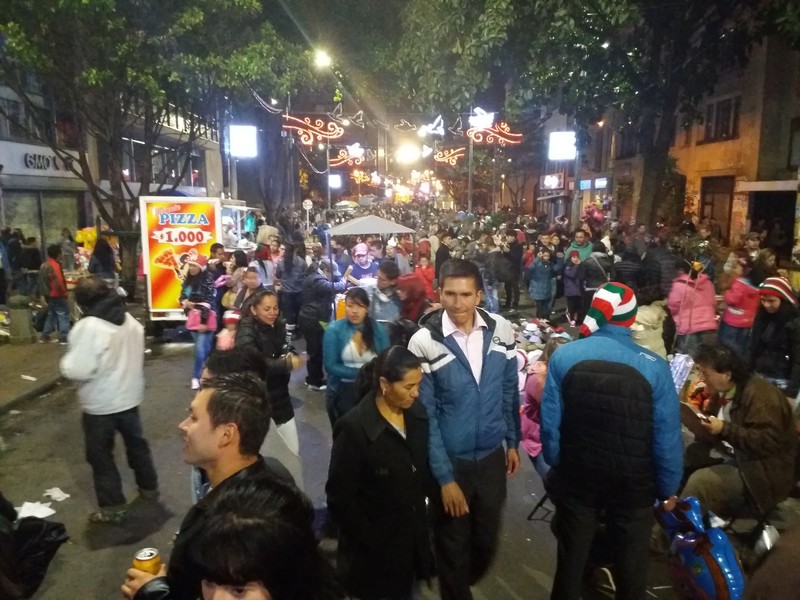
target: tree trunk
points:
(653, 169)
(129, 259)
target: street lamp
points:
(322, 59)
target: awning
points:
(369, 225)
(784, 185)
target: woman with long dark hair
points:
(291, 271)
(103, 263)
(379, 482)
(348, 345)
(197, 293)
(263, 330)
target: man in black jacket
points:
(227, 424)
(514, 256)
(442, 252)
(316, 306)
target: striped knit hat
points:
(614, 303)
(778, 287)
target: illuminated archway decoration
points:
(451, 156)
(500, 134)
(310, 131)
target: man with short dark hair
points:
(469, 389)
(581, 244)
(754, 417)
(53, 287)
(227, 423)
(442, 252)
(514, 255)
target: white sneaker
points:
(195, 384)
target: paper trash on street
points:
(28, 378)
(56, 494)
(35, 509)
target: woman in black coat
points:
(379, 480)
(264, 331)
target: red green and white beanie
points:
(778, 287)
(614, 303)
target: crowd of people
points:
(429, 399)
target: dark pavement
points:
(45, 449)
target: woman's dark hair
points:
(359, 296)
(288, 257)
(648, 294)
(260, 529)
(393, 364)
(69, 234)
(239, 259)
(599, 247)
(104, 252)
(300, 250)
(259, 296)
(723, 359)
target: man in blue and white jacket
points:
(611, 433)
(469, 389)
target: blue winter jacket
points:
(337, 336)
(541, 274)
(468, 419)
(610, 420)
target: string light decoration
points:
(351, 156)
(451, 156)
(360, 177)
(404, 125)
(500, 134)
(313, 131)
(457, 128)
(435, 128)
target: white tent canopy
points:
(369, 225)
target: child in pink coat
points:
(530, 413)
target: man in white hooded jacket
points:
(105, 359)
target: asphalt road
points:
(45, 450)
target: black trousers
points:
(466, 546)
(290, 307)
(574, 304)
(512, 293)
(313, 333)
(628, 535)
(99, 432)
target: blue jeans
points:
(57, 318)
(202, 346)
(491, 299)
(736, 338)
(541, 466)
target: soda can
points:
(147, 560)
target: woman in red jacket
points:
(741, 306)
(426, 272)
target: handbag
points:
(229, 299)
(194, 318)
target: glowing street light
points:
(322, 59)
(407, 154)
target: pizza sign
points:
(174, 232)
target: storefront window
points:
(60, 210)
(22, 210)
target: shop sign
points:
(37, 161)
(554, 181)
(601, 183)
(175, 231)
